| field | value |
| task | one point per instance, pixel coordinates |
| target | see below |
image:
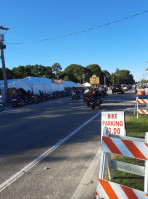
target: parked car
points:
(117, 88)
(125, 87)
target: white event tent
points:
(87, 84)
(36, 84)
(71, 84)
(42, 84)
(14, 83)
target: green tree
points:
(122, 77)
(74, 72)
(143, 81)
(18, 72)
(10, 74)
(66, 78)
(48, 72)
(95, 69)
(41, 70)
(35, 70)
(28, 70)
(107, 76)
(56, 68)
(86, 75)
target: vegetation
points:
(135, 128)
(122, 77)
(73, 72)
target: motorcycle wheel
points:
(22, 103)
(92, 107)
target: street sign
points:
(115, 121)
(59, 81)
(94, 80)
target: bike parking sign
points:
(115, 121)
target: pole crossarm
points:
(3, 28)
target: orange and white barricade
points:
(111, 190)
(125, 146)
(141, 110)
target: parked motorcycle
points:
(75, 96)
(32, 99)
(1, 107)
(17, 101)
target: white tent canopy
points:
(15, 83)
(43, 84)
(87, 84)
(71, 84)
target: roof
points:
(15, 83)
(87, 84)
(71, 84)
(36, 80)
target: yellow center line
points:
(10, 124)
(34, 116)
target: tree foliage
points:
(56, 68)
(107, 75)
(73, 72)
(122, 77)
(95, 69)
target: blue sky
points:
(122, 45)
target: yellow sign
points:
(94, 80)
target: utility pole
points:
(104, 80)
(83, 77)
(2, 47)
(146, 69)
(113, 80)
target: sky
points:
(39, 32)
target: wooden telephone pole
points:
(2, 47)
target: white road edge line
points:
(8, 182)
(81, 189)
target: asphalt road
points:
(47, 150)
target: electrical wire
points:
(83, 31)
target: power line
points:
(83, 31)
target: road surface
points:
(52, 150)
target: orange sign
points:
(59, 81)
(94, 80)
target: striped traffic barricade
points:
(111, 190)
(126, 146)
(141, 110)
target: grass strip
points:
(135, 128)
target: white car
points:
(125, 88)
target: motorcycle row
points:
(92, 97)
(30, 98)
